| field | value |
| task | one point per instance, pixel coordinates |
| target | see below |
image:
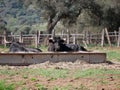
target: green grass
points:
(50, 73)
(4, 86)
(94, 73)
(12, 72)
(82, 87)
(113, 55)
(53, 74)
(3, 49)
(103, 82)
(25, 72)
(8, 72)
(43, 48)
(40, 87)
(2, 46)
(68, 87)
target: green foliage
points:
(16, 16)
(111, 13)
(83, 14)
(25, 76)
(4, 86)
(40, 87)
(33, 79)
(3, 24)
(41, 27)
(66, 11)
(87, 13)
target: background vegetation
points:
(79, 15)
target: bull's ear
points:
(62, 41)
(56, 38)
(18, 42)
(50, 40)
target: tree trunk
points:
(51, 24)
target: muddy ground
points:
(91, 83)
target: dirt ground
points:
(77, 65)
(109, 83)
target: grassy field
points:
(44, 77)
(57, 79)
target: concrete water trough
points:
(36, 58)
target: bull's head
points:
(58, 43)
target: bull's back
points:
(74, 47)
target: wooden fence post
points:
(85, 39)
(36, 39)
(11, 36)
(102, 37)
(21, 38)
(4, 38)
(108, 38)
(53, 33)
(62, 33)
(89, 37)
(39, 36)
(118, 42)
(85, 44)
(116, 38)
(84, 36)
(97, 38)
(74, 39)
(68, 36)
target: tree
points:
(111, 14)
(3, 24)
(64, 10)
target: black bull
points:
(57, 44)
(18, 47)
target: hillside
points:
(15, 17)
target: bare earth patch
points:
(111, 82)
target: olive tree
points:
(110, 14)
(66, 11)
